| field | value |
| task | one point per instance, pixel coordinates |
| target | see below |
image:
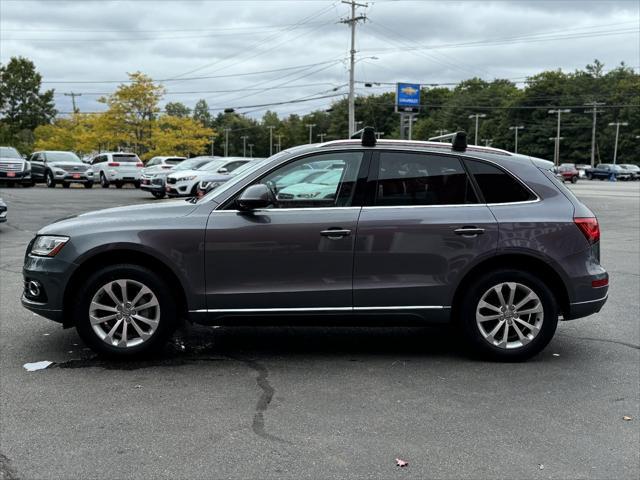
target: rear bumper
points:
(584, 309)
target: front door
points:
(297, 254)
(422, 229)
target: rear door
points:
(421, 228)
(129, 165)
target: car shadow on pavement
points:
(198, 344)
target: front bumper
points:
(52, 274)
(177, 190)
(3, 216)
(152, 185)
(74, 178)
(17, 177)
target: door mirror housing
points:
(223, 170)
(255, 196)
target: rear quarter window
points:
(496, 185)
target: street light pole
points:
(595, 112)
(226, 142)
(310, 127)
(516, 128)
(615, 148)
(352, 22)
(556, 155)
(244, 145)
(271, 139)
(279, 142)
(477, 116)
(487, 141)
(322, 135)
(251, 150)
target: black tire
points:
(118, 184)
(104, 183)
(66, 184)
(158, 194)
(589, 176)
(574, 179)
(49, 180)
(466, 316)
(168, 311)
(88, 185)
(136, 184)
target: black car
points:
(56, 167)
(3, 211)
(608, 171)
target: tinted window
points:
(496, 185)
(421, 179)
(295, 185)
(124, 158)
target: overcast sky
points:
(302, 46)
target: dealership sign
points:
(407, 97)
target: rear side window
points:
(496, 185)
(422, 179)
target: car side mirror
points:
(255, 196)
(223, 170)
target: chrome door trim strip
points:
(303, 209)
(318, 309)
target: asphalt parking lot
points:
(321, 402)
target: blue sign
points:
(408, 95)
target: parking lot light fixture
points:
(615, 148)
(477, 116)
(556, 154)
(516, 128)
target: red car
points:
(569, 173)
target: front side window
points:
(496, 185)
(422, 179)
(300, 185)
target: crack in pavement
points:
(6, 471)
(263, 402)
(618, 342)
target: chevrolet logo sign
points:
(409, 90)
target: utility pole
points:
(244, 145)
(477, 116)
(352, 22)
(226, 141)
(556, 155)
(310, 127)
(271, 139)
(516, 128)
(251, 150)
(595, 112)
(322, 135)
(615, 148)
(279, 142)
(487, 141)
(73, 100)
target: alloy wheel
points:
(509, 315)
(124, 313)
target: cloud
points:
(423, 41)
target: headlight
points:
(59, 172)
(89, 172)
(185, 179)
(215, 185)
(48, 245)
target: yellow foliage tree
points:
(182, 136)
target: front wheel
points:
(119, 184)
(125, 311)
(158, 194)
(88, 185)
(66, 185)
(508, 315)
(51, 182)
(589, 176)
(104, 183)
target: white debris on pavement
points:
(32, 367)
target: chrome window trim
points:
(319, 309)
(303, 209)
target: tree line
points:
(134, 120)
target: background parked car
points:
(185, 183)
(633, 169)
(606, 171)
(3, 211)
(582, 169)
(209, 181)
(153, 180)
(14, 169)
(53, 167)
(117, 168)
(161, 163)
(568, 173)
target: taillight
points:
(139, 164)
(113, 164)
(603, 282)
(589, 228)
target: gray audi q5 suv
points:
(406, 232)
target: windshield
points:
(243, 168)
(215, 165)
(9, 152)
(62, 157)
(191, 164)
(329, 178)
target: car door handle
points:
(469, 231)
(335, 233)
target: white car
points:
(157, 164)
(153, 179)
(117, 168)
(184, 183)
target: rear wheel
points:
(589, 176)
(125, 311)
(103, 181)
(508, 315)
(574, 179)
(50, 181)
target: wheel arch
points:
(516, 261)
(130, 256)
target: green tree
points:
(177, 109)
(23, 107)
(201, 113)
